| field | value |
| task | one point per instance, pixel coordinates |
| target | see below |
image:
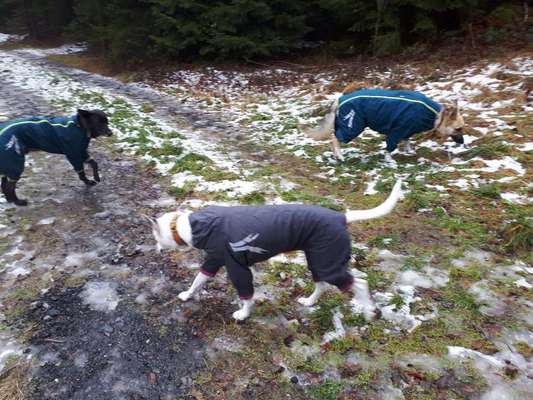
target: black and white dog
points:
(238, 237)
(60, 135)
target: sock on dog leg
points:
(361, 301)
(198, 282)
(320, 287)
(244, 311)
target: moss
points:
(525, 349)
(383, 241)
(518, 233)
(413, 263)
(329, 390)
(253, 198)
(322, 316)
(487, 151)
(301, 196)
(420, 199)
(492, 191)
(397, 301)
(465, 275)
(191, 162)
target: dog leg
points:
(9, 188)
(94, 166)
(362, 301)
(4, 190)
(408, 149)
(198, 282)
(320, 287)
(336, 146)
(245, 311)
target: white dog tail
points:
(326, 126)
(381, 210)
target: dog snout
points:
(458, 138)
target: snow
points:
(339, 331)
(100, 296)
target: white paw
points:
(306, 301)
(184, 296)
(241, 315)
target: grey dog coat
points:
(241, 236)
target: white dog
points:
(238, 237)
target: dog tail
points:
(381, 210)
(326, 126)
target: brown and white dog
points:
(237, 237)
(398, 114)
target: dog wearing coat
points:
(240, 236)
(60, 135)
(397, 114)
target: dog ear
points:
(83, 113)
(152, 221)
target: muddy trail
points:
(81, 282)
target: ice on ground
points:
(100, 296)
(515, 198)
(46, 221)
(401, 315)
(493, 369)
(9, 348)
(526, 146)
(80, 259)
(431, 277)
(523, 283)
(491, 304)
(339, 331)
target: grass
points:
(12, 382)
(517, 234)
(253, 198)
(329, 390)
(491, 191)
(487, 151)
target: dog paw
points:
(241, 315)
(89, 183)
(184, 296)
(306, 301)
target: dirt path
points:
(82, 283)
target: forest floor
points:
(88, 309)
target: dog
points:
(240, 236)
(398, 114)
(60, 135)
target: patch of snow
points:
(8, 348)
(80, 259)
(523, 283)
(46, 221)
(515, 198)
(100, 296)
(339, 331)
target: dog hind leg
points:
(198, 282)
(362, 302)
(320, 287)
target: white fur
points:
(379, 211)
(361, 300)
(198, 282)
(245, 311)
(320, 287)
